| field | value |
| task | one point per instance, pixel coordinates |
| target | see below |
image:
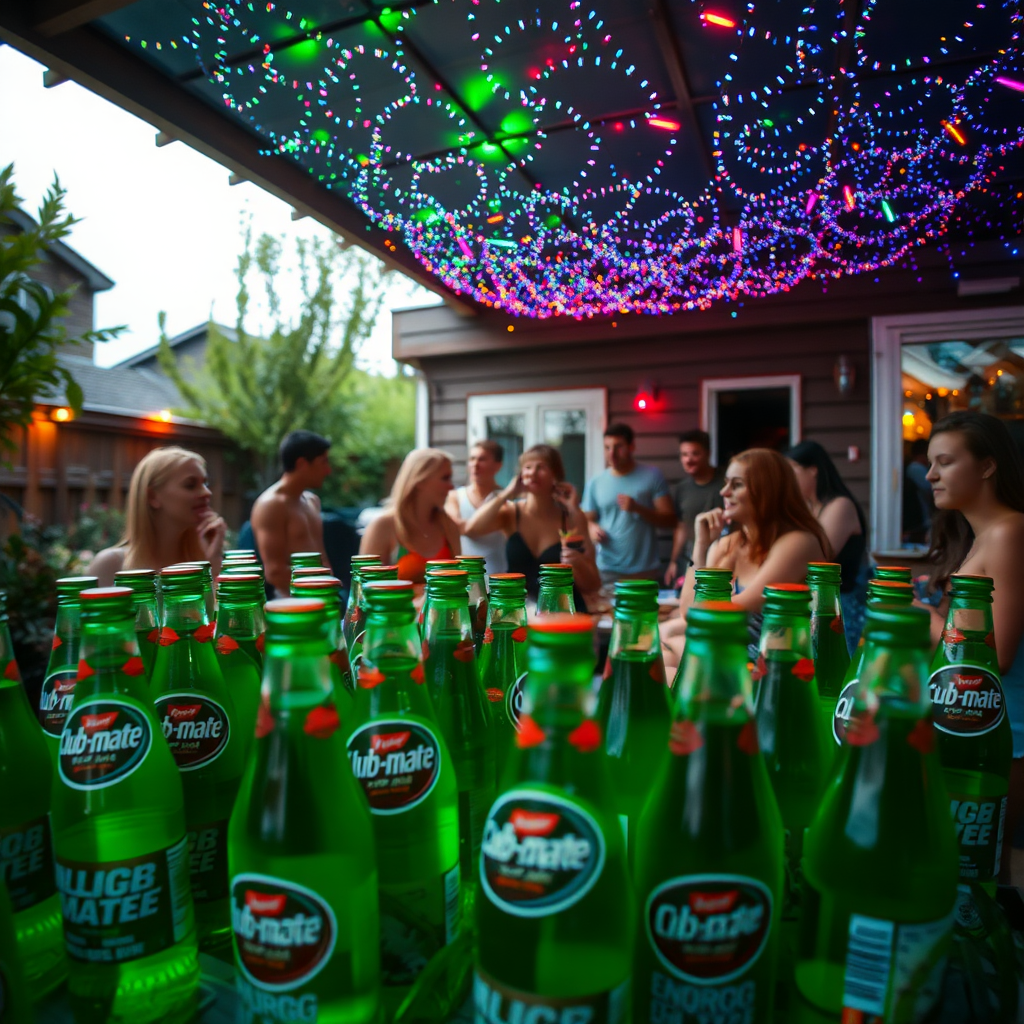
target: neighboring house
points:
(189, 350)
(63, 462)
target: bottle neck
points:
(448, 616)
(785, 636)
(109, 660)
(238, 619)
(894, 677)
(559, 696)
(715, 683)
(552, 598)
(391, 637)
(185, 612)
(825, 600)
(635, 632)
(296, 672)
(968, 634)
(509, 612)
(68, 620)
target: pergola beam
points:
(51, 17)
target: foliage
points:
(255, 390)
(31, 331)
(98, 527)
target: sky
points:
(162, 222)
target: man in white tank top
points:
(485, 459)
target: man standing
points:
(286, 516)
(485, 459)
(625, 505)
(697, 492)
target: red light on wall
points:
(646, 398)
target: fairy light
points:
(584, 237)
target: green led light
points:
(887, 210)
(390, 19)
(322, 136)
(516, 122)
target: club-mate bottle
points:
(143, 583)
(709, 846)
(433, 565)
(367, 574)
(240, 553)
(327, 590)
(712, 585)
(240, 627)
(973, 735)
(62, 669)
(897, 573)
(474, 566)
(15, 1002)
(880, 591)
(26, 845)
(828, 636)
(304, 572)
(554, 592)
(633, 702)
(880, 858)
(206, 570)
(305, 559)
(790, 730)
(304, 909)
(462, 709)
(197, 716)
(120, 847)
(399, 756)
(352, 623)
(555, 912)
(503, 660)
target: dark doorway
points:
(751, 418)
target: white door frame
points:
(532, 405)
(710, 386)
(888, 335)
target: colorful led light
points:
(663, 122)
(954, 131)
(718, 19)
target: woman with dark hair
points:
(977, 481)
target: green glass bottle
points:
(828, 636)
(208, 595)
(555, 913)
(503, 660)
(554, 593)
(303, 572)
(327, 590)
(367, 574)
(712, 585)
(880, 858)
(880, 591)
(896, 573)
(972, 728)
(709, 847)
(462, 709)
(304, 907)
(352, 621)
(399, 756)
(15, 1002)
(26, 845)
(633, 702)
(142, 584)
(433, 565)
(239, 553)
(305, 559)
(474, 567)
(120, 847)
(62, 669)
(197, 716)
(240, 627)
(790, 731)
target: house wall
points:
(190, 354)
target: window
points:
(925, 367)
(750, 412)
(572, 421)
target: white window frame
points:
(711, 386)
(532, 405)
(888, 336)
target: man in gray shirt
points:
(697, 492)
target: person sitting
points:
(699, 490)
(977, 480)
(539, 514)
(485, 459)
(842, 519)
(168, 518)
(415, 528)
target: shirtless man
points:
(286, 516)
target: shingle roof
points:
(117, 389)
(193, 332)
(97, 280)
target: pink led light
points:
(812, 198)
(737, 239)
(1010, 83)
(848, 197)
(466, 251)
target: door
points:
(750, 412)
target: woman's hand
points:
(707, 528)
(211, 532)
(565, 493)
(513, 488)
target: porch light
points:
(62, 414)
(646, 398)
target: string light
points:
(551, 223)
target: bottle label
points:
(843, 712)
(495, 1003)
(979, 831)
(967, 700)
(541, 853)
(514, 700)
(284, 933)
(195, 726)
(709, 929)
(122, 910)
(26, 863)
(208, 861)
(893, 970)
(55, 700)
(397, 761)
(103, 742)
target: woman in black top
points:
(539, 514)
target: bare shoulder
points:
(1007, 530)
(269, 508)
(379, 532)
(800, 542)
(312, 499)
(104, 564)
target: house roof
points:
(120, 390)
(95, 278)
(190, 335)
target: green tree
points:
(257, 389)
(31, 327)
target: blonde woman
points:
(169, 518)
(415, 528)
